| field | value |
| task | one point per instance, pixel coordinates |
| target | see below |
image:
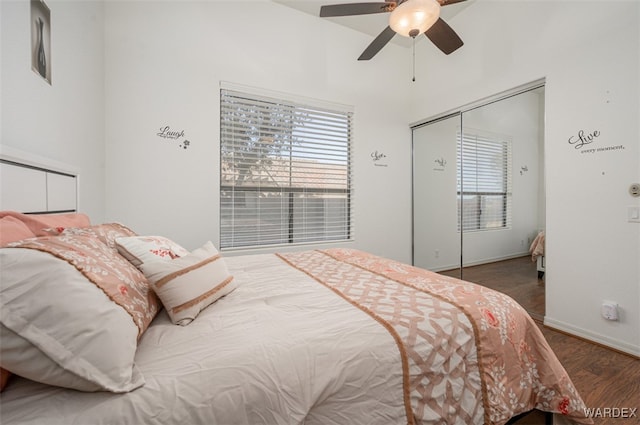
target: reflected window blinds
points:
(484, 181)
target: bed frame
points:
(32, 185)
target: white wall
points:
(164, 64)
(589, 53)
(62, 122)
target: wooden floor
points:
(517, 278)
(604, 378)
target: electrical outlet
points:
(633, 214)
(436, 253)
(610, 310)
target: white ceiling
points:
(369, 24)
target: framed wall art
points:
(41, 39)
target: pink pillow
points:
(12, 230)
(39, 222)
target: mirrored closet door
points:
(478, 193)
(436, 239)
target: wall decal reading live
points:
(582, 140)
(377, 157)
(166, 132)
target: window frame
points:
(317, 197)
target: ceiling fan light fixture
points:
(414, 17)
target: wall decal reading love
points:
(378, 159)
(440, 164)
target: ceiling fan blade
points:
(380, 41)
(349, 9)
(448, 2)
(444, 37)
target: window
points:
(285, 171)
(484, 182)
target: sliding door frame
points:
(450, 114)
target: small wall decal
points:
(523, 169)
(440, 164)
(582, 141)
(379, 159)
(166, 132)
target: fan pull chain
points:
(414, 60)
(413, 34)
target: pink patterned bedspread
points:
(115, 276)
(487, 360)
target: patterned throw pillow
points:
(143, 249)
(187, 285)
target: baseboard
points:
(496, 259)
(594, 337)
(479, 262)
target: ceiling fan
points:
(408, 18)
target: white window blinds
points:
(484, 181)
(285, 172)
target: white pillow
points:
(60, 329)
(142, 249)
(189, 284)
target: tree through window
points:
(285, 171)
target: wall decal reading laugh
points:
(166, 132)
(582, 140)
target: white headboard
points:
(36, 186)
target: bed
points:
(537, 253)
(101, 325)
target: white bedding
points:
(268, 353)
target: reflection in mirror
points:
(503, 195)
(491, 206)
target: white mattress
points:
(271, 352)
